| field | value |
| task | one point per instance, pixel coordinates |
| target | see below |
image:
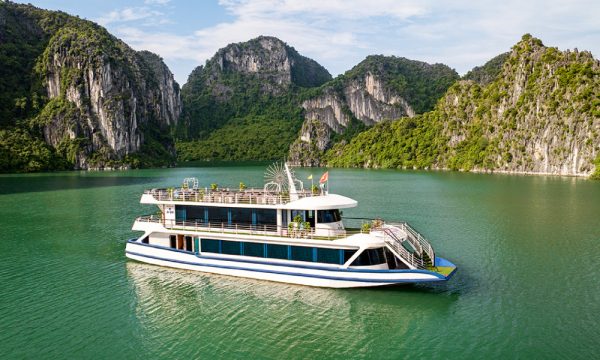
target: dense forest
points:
(540, 113)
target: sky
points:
(339, 34)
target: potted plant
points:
(315, 189)
(365, 228)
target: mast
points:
(291, 184)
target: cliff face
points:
(540, 113)
(119, 95)
(245, 87)
(272, 62)
(366, 99)
(378, 89)
(102, 102)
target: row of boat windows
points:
(213, 214)
(284, 252)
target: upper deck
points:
(249, 198)
(226, 196)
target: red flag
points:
(324, 178)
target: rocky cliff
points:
(99, 103)
(379, 88)
(246, 88)
(539, 114)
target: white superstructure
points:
(280, 233)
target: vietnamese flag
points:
(324, 178)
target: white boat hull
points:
(319, 276)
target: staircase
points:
(406, 243)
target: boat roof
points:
(322, 202)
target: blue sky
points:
(340, 33)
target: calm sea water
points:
(528, 286)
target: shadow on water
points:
(442, 295)
(27, 183)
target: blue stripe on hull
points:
(327, 277)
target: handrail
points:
(248, 196)
(416, 239)
(242, 228)
(395, 244)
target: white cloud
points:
(129, 15)
(156, 2)
(339, 34)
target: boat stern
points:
(444, 267)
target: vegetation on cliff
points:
(488, 72)
(45, 94)
(419, 83)
(248, 93)
(379, 88)
(540, 114)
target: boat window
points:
(188, 243)
(241, 216)
(277, 251)
(192, 213)
(173, 241)
(254, 249)
(348, 254)
(212, 246)
(295, 213)
(266, 216)
(328, 216)
(231, 247)
(180, 213)
(218, 215)
(301, 253)
(370, 257)
(329, 256)
(376, 256)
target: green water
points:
(527, 248)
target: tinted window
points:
(241, 216)
(301, 253)
(329, 256)
(370, 257)
(254, 249)
(376, 256)
(277, 251)
(266, 216)
(194, 213)
(217, 215)
(188, 243)
(348, 254)
(231, 247)
(328, 216)
(210, 246)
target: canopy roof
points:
(323, 202)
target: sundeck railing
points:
(226, 196)
(251, 229)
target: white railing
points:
(250, 229)
(225, 196)
(417, 240)
(395, 244)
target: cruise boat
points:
(281, 232)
